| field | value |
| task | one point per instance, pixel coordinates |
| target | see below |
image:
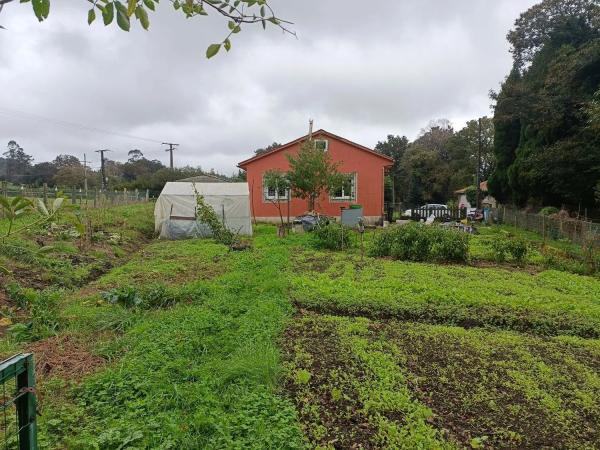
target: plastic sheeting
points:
(176, 208)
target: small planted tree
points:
(277, 182)
(13, 209)
(312, 172)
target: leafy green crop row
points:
(374, 384)
(550, 302)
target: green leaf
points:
(149, 4)
(41, 8)
(4, 203)
(91, 16)
(142, 16)
(41, 207)
(122, 16)
(57, 203)
(131, 7)
(46, 249)
(45, 8)
(212, 50)
(108, 13)
(227, 44)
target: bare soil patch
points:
(473, 391)
(65, 356)
(328, 422)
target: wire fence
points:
(18, 425)
(93, 198)
(578, 231)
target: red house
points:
(364, 166)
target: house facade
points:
(365, 169)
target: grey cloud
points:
(360, 71)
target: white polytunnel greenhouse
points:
(175, 210)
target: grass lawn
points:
(188, 345)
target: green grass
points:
(230, 363)
(203, 374)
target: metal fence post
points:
(46, 194)
(26, 406)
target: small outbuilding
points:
(175, 210)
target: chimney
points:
(310, 129)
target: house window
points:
(271, 193)
(322, 144)
(346, 192)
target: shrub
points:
(418, 242)
(548, 210)
(518, 249)
(503, 245)
(333, 236)
(499, 249)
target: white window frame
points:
(278, 196)
(347, 197)
(322, 140)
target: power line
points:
(64, 123)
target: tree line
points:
(547, 112)
(542, 146)
(440, 161)
(68, 171)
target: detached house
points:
(364, 167)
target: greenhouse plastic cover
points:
(176, 208)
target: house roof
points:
(482, 187)
(207, 189)
(206, 178)
(317, 133)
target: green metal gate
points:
(18, 407)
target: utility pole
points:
(104, 183)
(170, 150)
(85, 183)
(478, 174)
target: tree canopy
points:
(547, 146)
(267, 149)
(123, 12)
(312, 172)
(440, 161)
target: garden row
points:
(359, 383)
(497, 244)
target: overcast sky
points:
(361, 71)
